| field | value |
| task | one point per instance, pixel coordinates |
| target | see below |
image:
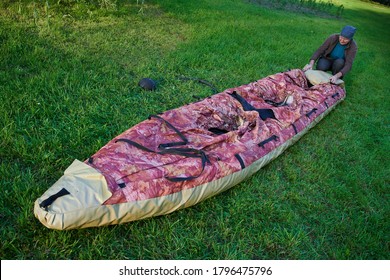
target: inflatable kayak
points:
(183, 156)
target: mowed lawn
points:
(68, 82)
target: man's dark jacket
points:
(326, 48)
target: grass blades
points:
(68, 80)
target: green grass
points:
(320, 8)
(68, 83)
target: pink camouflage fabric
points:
(210, 139)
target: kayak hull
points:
(92, 194)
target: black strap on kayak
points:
(292, 80)
(240, 160)
(263, 113)
(171, 144)
(186, 152)
(49, 201)
(335, 95)
(275, 104)
(198, 153)
(135, 144)
(295, 128)
(311, 112)
(217, 130)
(272, 138)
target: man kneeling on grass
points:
(336, 54)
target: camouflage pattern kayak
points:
(180, 157)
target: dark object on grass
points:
(213, 88)
(147, 84)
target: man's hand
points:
(334, 78)
(308, 66)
